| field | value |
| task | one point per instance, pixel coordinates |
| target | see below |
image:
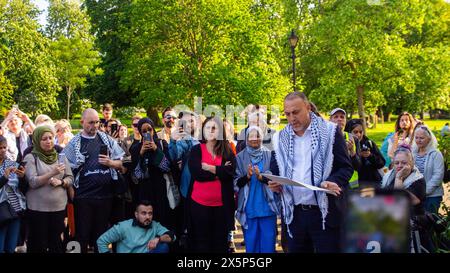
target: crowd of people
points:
(182, 188)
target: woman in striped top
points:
(9, 192)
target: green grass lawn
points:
(382, 130)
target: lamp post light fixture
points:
(293, 39)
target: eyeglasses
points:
(135, 125)
(169, 117)
(94, 122)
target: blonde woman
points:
(63, 132)
(430, 162)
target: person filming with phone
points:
(95, 157)
(11, 177)
(49, 176)
(18, 138)
(112, 128)
(339, 116)
(371, 158)
(151, 164)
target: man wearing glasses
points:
(95, 158)
(169, 117)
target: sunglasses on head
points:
(423, 127)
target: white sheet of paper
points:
(287, 181)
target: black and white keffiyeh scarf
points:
(322, 141)
(76, 159)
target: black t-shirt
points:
(95, 179)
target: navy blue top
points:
(95, 178)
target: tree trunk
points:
(362, 115)
(375, 121)
(152, 113)
(387, 117)
(69, 94)
(381, 115)
(421, 115)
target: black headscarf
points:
(143, 121)
(351, 124)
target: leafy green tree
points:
(355, 52)
(222, 51)
(430, 59)
(25, 63)
(72, 45)
(109, 18)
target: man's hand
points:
(115, 134)
(153, 243)
(104, 160)
(177, 135)
(336, 190)
(275, 186)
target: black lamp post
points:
(293, 39)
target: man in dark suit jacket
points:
(313, 151)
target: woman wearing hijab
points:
(371, 158)
(48, 182)
(257, 209)
(150, 161)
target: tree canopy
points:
(364, 56)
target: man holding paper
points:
(312, 151)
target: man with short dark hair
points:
(311, 150)
(339, 116)
(138, 235)
(107, 112)
(168, 117)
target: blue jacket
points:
(179, 150)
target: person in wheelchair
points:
(406, 176)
